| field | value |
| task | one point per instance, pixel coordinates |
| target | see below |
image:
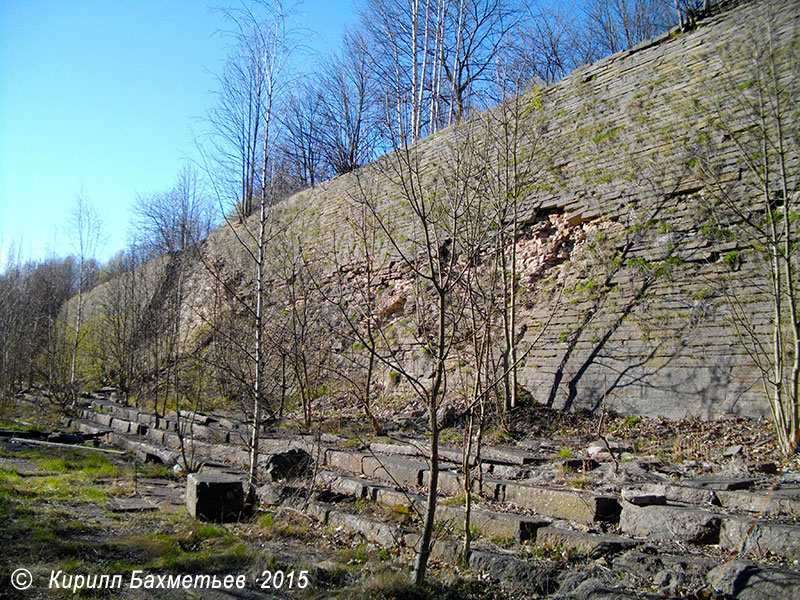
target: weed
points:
(565, 452)
(579, 483)
(632, 420)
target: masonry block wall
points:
(619, 259)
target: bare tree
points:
(546, 44)
(616, 25)
(347, 89)
(176, 219)
(85, 234)
(303, 145)
(433, 57)
(245, 133)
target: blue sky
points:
(101, 97)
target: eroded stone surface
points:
(692, 525)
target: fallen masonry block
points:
(678, 523)
(344, 461)
(647, 564)
(144, 451)
(156, 435)
(503, 455)
(492, 524)
(286, 465)
(343, 484)
(537, 580)
(681, 493)
(101, 418)
(511, 455)
(214, 497)
(385, 534)
(319, 511)
(171, 440)
(713, 482)
(444, 549)
(401, 449)
(449, 483)
(746, 580)
(589, 544)
(640, 498)
(391, 498)
(775, 538)
(780, 503)
(120, 425)
(394, 469)
(88, 428)
(571, 505)
(494, 489)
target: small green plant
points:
(565, 452)
(632, 420)
(579, 483)
(665, 227)
(731, 258)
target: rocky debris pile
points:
(567, 521)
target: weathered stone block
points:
(590, 544)
(492, 524)
(344, 461)
(680, 493)
(778, 503)
(351, 486)
(640, 498)
(120, 425)
(384, 534)
(102, 418)
(746, 580)
(572, 505)
(448, 484)
(394, 469)
(391, 497)
(679, 523)
(776, 538)
(214, 497)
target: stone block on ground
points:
(443, 548)
(778, 503)
(640, 498)
(599, 446)
(746, 580)
(384, 534)
(491, 524)
(538, 580)
(344, 461)
(778, 539)
(396, 470)
(344, 484)
(676, 523)
(288, 464)
(716, 482)
(682, 493)
(391, 497)
(589, 544)
(448, 484)
(571, 505)
(214, 497)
